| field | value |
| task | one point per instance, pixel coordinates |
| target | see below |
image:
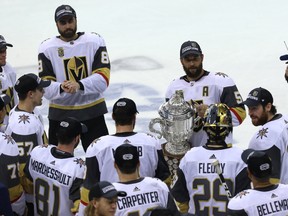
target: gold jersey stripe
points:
(49, 78)
(15, 193)
(73, 107)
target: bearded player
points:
(78, 62)
(205, 88)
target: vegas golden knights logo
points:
(60, 51)
(76, 68)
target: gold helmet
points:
(217, 122)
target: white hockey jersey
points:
(9, 172)
(272, 200)
(197, 181)
(84, 60)
(100, 159)
(28, 132)
(272, 138)
(57, 177)
(209, 89)
(142, 195)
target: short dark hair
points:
(127, 170)
(123, 120)
(273, 109)
(65, 140)
(22, 96)
(68, 129)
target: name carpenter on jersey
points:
(138, 199)
(50, 172)
(272, 207)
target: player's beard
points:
(193, 72)
(261, 120)
(68, 33)
(2, 62)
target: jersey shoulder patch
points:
(80, 162)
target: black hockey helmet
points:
(217, 122)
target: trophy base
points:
(176, 150)
(172, 159)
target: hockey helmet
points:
(217, 122)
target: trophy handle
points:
(152, 129)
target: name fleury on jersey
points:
(50, 172)
(204, 168)
(138, 199)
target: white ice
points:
(241, 38)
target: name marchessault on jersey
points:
(50, 172)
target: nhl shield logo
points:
(60, 51)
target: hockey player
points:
(143, 193)
(79, 63)
(272, 136)
(197, 187)
(103, 198)
(56, 174)
(25, 124)
(9, 172)
(265, 198)
(205, 88)
(7, 77)
(99, 155)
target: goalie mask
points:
(217, 122)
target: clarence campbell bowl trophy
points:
(176, 126)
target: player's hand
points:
(70, 86)
(201, 109)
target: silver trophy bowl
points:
(176, 124)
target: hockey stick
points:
(216, 164)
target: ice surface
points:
(241, 38)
